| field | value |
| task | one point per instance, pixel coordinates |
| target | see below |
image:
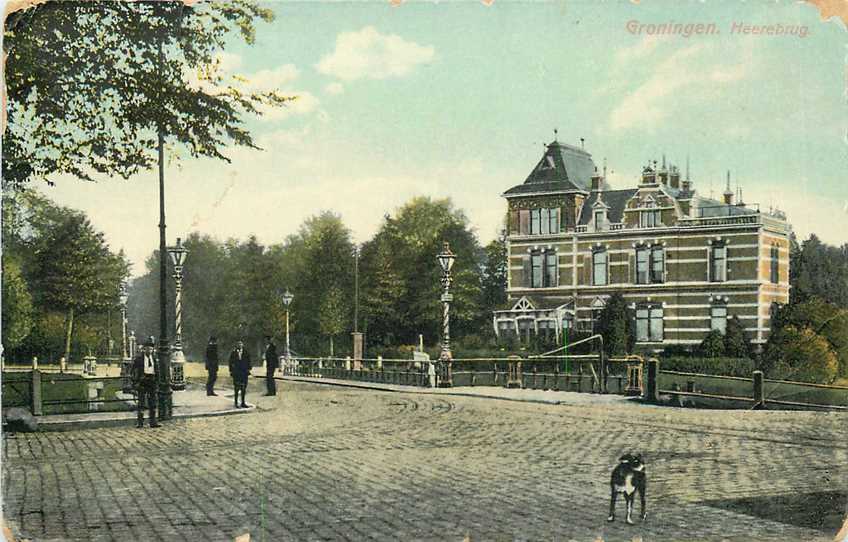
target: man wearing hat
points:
(272, 361)
(211, 365)
(144, 377)
(240, 370)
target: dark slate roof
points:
(712, 208)
(562, 168)
(614, 199)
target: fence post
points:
(35, 392)
(651, 389)
(759, 391)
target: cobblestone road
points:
(324, 463)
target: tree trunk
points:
(68, 335)
(331, 346)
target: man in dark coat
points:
(240, 370)
(272, 361)
(144, 379)
(211, 365)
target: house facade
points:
(684, 263)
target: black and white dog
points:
(628, 477)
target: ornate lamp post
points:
(446, 259)
(123, 297)
(126, 361)
(178, 254)
(287, 299)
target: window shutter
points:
(587, 269)
(631, 269)
(557, 220)
(525, 263)
(524, 221)
(513, 222)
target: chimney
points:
(649, 176)
(728, 193)
(597, 181)
(674, 178)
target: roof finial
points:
(605, 168)
(728, 183)
(555, 134)
(687, 166)
(663, 161)
(581, 143)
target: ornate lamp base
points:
(178, 370)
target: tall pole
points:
(124, 331)
(288, 348)
(446, 259)
(164, 376)
(356, 291)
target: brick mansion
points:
(684, 263)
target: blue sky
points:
(456, 99)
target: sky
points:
(456, 99)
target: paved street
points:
(329, 463)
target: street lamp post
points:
(126, 362)
(178, 254)
(446, 259)
(123, 297)
(287, 299)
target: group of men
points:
(144, 374)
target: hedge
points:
(743, 367)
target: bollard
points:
(759, 391)
(380, 362)
(651, 389)
(34, 363)
(35, 394)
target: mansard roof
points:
(563, 168)
(616, 200)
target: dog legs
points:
(642, 509)
(613, 495)
(628, 497)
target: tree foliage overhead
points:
(89, 84)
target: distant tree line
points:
(60, 282)
(233, 289)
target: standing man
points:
(144, 378)
(211, 365)
(239, 370)
(272, 361)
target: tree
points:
(90, 85)
(615, 326)
(822, 318)
(74, 271)
(332, 314)
(801, 354)
(494, 276)
(819, 270)
(735, 342)
(401, 262)
(712, 346)
(17, 305)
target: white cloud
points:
(369, 54)
(641, 49)
(334, 88)
(684, 75)
(304, 104)
(271, 79)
